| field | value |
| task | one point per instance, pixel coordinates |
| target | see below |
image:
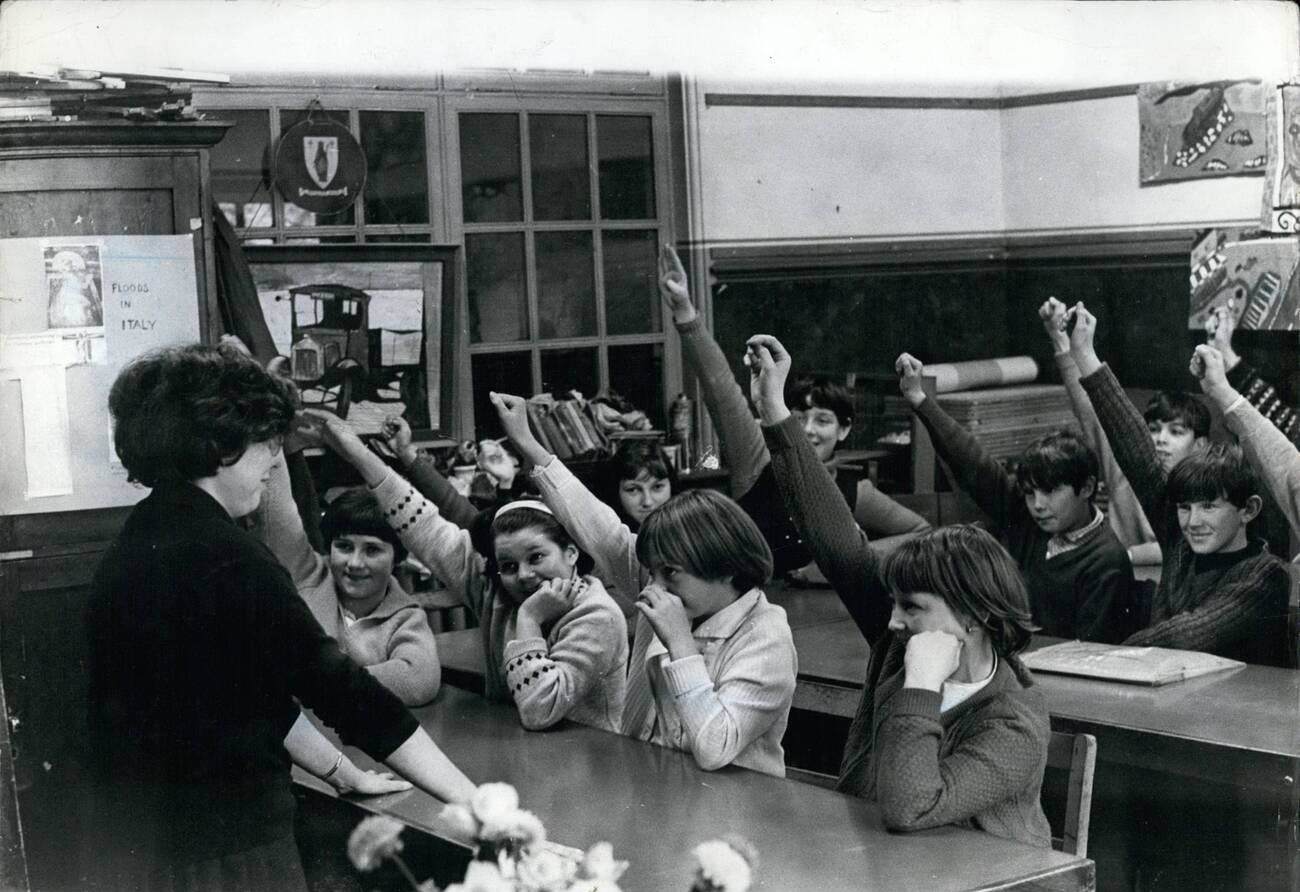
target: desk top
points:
(1254, 708)
(654, 805)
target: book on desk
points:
(1152, 666)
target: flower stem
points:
(406, 872)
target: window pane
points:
(631, 281)
(566, 287)
(381, 237)
(397, 185)
(498, 306)
(565, 370)
(294, 215)
(504, 373)
(627, 173)
(636, 371)
(241, 166)
(557, 146)
(323, 240)
(489, 168)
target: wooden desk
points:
(655, 805)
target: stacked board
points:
(1007, 419)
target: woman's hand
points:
(513, 412)
(673, 286)
(371, 783)
(1053, 314)
(552, 600)
(397, 437)
(910, 378)
(930, 659)
(769, 367)
(667, 616)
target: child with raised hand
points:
(1245, 379)
(555, 643)
(1078, 574)
(713, 662)
(948, 730)
(1124, 513)
(1274, 457)
(1220, 591)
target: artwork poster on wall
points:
(1282, 179)
(1192, 131)
(1256, 277)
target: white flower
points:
(481, 876)
(493, 801)
(518, 827)
(545, 871)
(722, 866)
(373, 840)
(460, 820)
(599, 864)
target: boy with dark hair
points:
(1077, 572)
(1220, 591)
(1179, 425)
(351, 589)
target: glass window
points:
(566, 286)
(294, 215)
(241, 165)
(498, 304)
(626, 162)
(565, 370)
(382, 237)
(397, 184)
(490, 174)
(631, 281)
(557, 147)
(504, 373)
(636, 371)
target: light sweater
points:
(1274, 457)
(577, 671)
(393, 642)
(727, 705)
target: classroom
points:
(533, 446)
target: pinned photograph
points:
(74, 282)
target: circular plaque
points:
(319, 166)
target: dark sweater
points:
(1233, 605)
(199, 645)
(981, 763)
(1083, 593)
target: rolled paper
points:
(954, 376)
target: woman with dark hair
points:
(200, 648)
(949, 730)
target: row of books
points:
(566, 428)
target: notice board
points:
(73, 312)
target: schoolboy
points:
(1220, 591)
(1077, 572)
(352, 591)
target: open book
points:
(1116, 662)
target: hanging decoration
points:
(1191, 131)
(319, 165)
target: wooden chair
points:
(1077, 755)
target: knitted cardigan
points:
(981, 763)
(577, 671)
(1242, 614)
(1245, 379)
(1275, 458)
(393, 642)
(1085, 592)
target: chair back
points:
(1075, 754)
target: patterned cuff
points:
(686, 675)
(526, 662)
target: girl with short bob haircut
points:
(640, 478)
(713, 662)
(555, 642)
(949, 729)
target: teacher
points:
(200, 647)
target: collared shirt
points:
(1063, 542)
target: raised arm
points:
(1274, 457)
(1124, 427)
(1125, 513)
(886, 521)
(1245, 379)
(424, 475)
(594, 526)
(743, 451)
(816, 507)
(280, 528)
(982, 477)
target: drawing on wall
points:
(1282, 195)
(75, 286)
(1257, 278)
(1191, 131)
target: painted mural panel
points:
(1191, 131)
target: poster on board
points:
(1256, 278)
(73, 311)
(1192, 131)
